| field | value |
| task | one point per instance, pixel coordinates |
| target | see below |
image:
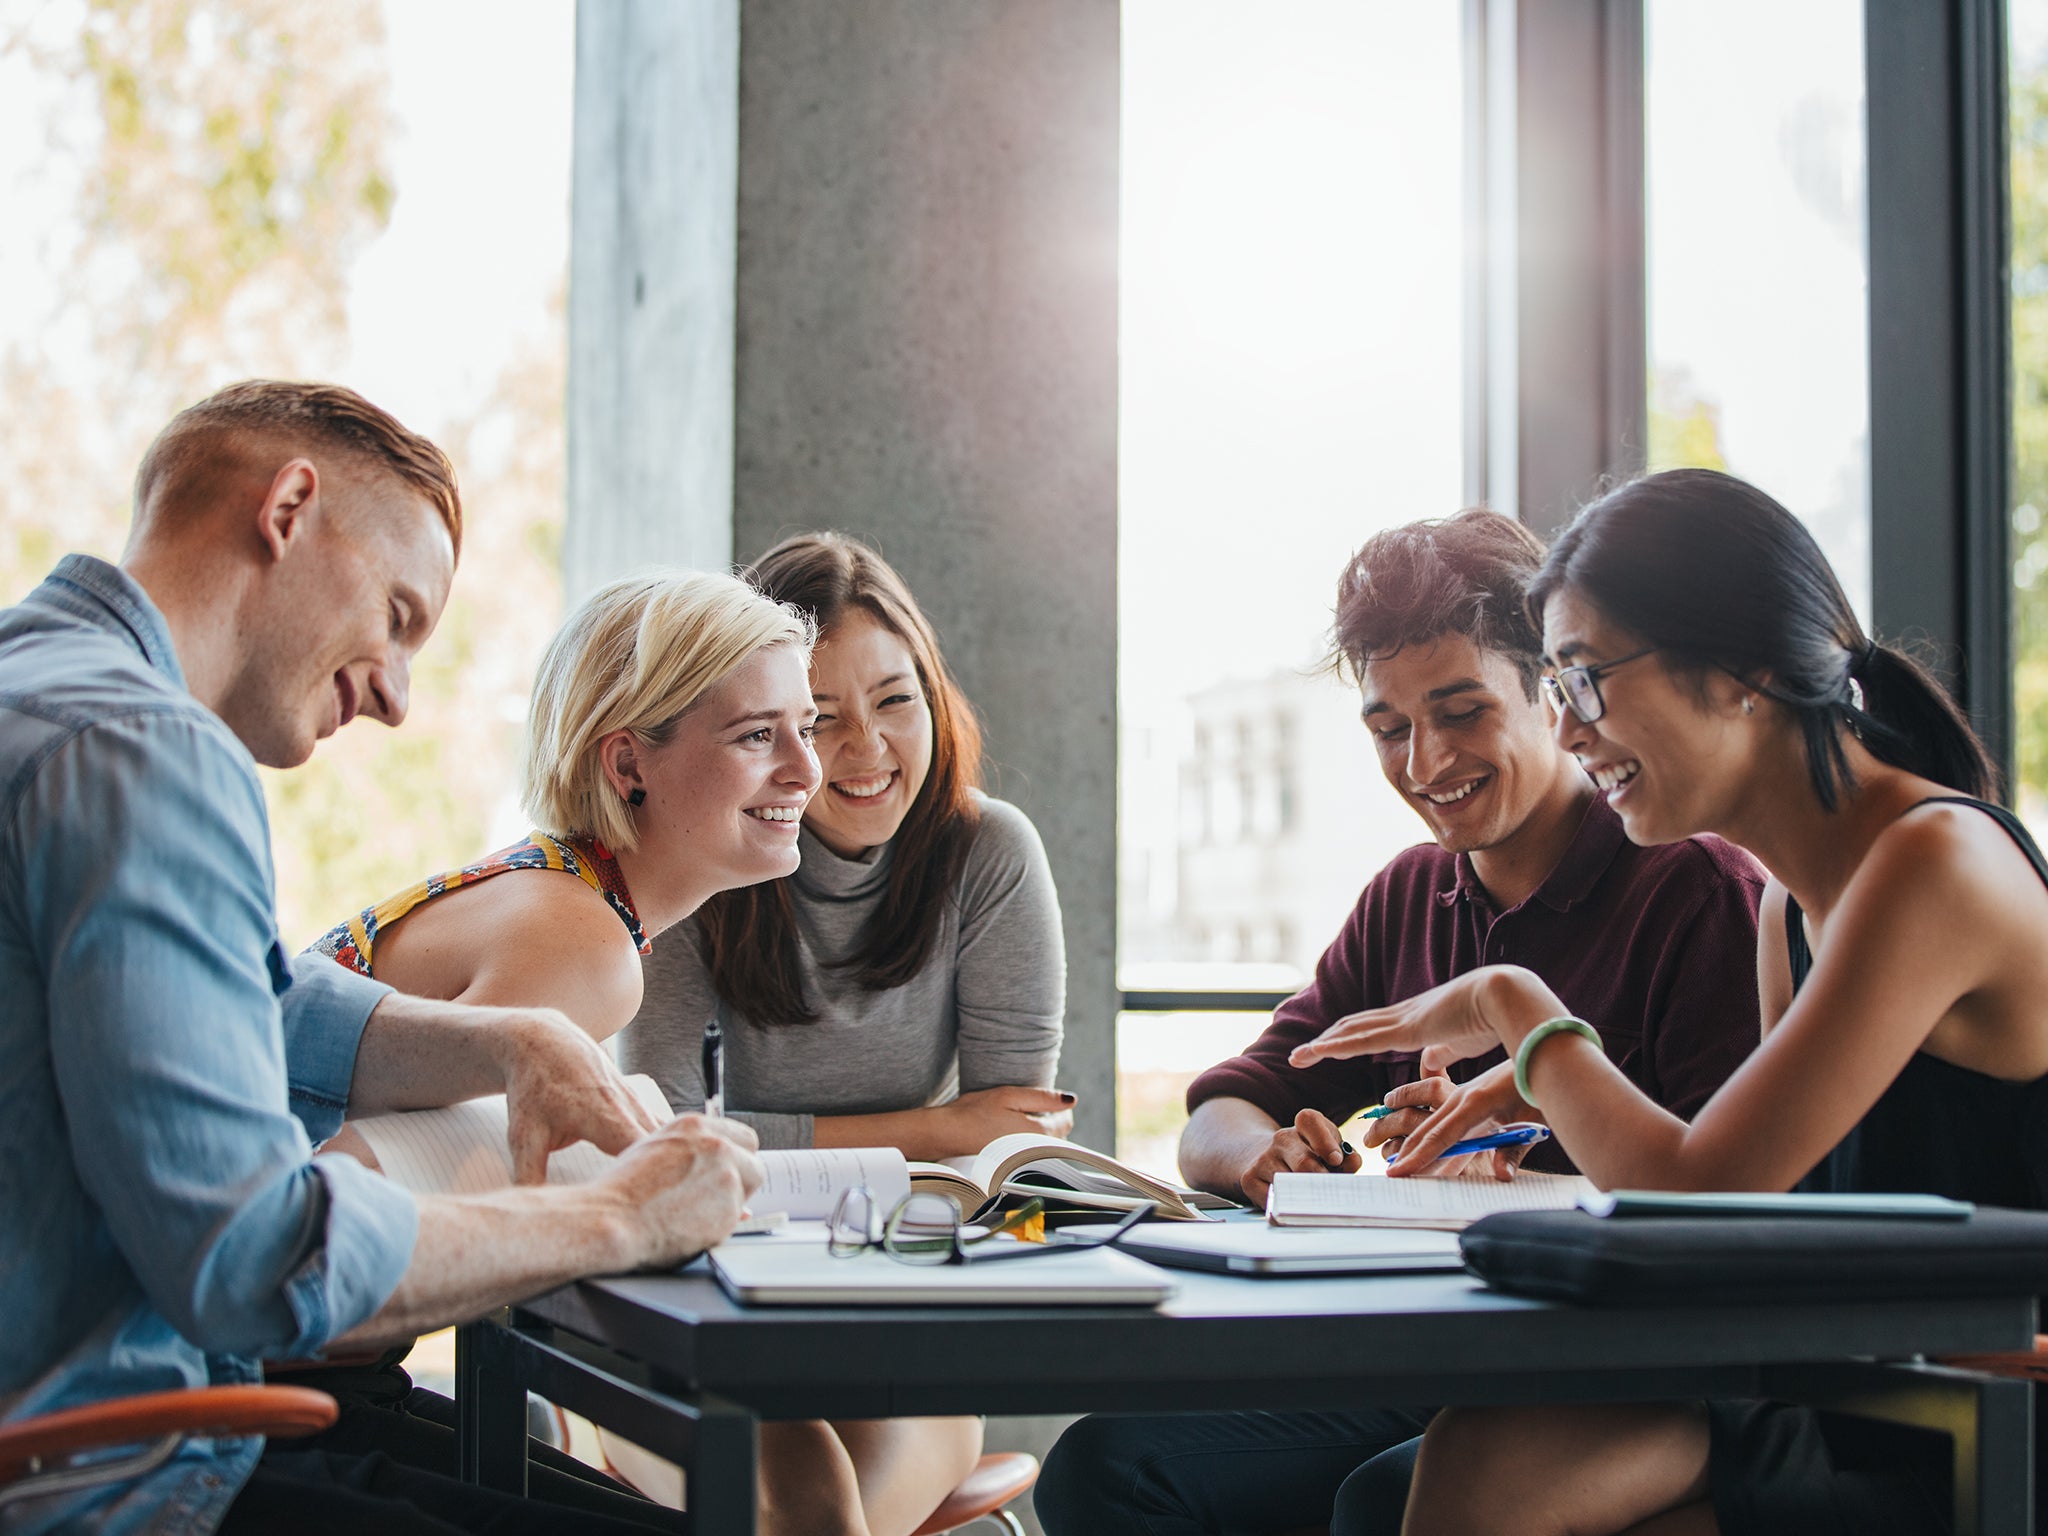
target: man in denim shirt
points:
(164, 1070)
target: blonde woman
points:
(668, 758)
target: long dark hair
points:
(1719, 577)
(749, 935)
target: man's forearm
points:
(1223, 1138)
(420, 1054)
(476, 1252)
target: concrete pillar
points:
(852, 264)
(652, 249)
(927, 359)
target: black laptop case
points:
(1730, 1260)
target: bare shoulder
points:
(1954, 875)
(1958, 847)
(525, 938)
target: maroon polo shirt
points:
(1656, 947)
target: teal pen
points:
(1379, 1111)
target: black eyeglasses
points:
(1578, 688)
(927, 1229)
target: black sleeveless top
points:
(1941, 1129)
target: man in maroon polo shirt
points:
(1657, 946)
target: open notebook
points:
(1373, 1200)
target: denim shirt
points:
(162, 1066)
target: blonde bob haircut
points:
(636, 656)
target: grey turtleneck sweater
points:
(985, 1012)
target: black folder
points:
(1645, 1261)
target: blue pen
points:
(1508, 1136)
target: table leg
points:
(719, 1474)
(490, 1410)
(501, 1358)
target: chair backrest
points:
(157, 1423)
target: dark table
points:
(671, 1363)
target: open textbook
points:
(1065, 1174)
(462, 1150)
(1373, 1200)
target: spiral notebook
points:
(1449, 1205)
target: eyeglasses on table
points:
(927, 1229)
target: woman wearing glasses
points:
(905, 987)
(1714, 679)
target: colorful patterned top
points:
(351, 942)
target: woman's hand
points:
(1450, 1112)
(1467, 1016)
(975, 1119)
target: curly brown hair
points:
(1455, 575)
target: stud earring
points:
(637, 799)
(1748, 708)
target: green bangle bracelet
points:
(1535, 1037)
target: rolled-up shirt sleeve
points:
(168, 1043)
(325, 1010)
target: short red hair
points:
(319, 416)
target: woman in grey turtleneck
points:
(905, 987)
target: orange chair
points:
(997, 1479)
(2028, 1366)
(36, 1453)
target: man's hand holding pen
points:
(1311, 1145)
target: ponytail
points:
(1908, 720)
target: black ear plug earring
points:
(637, 799)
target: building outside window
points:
(1291, 267)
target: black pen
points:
(714, 1068)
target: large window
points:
(198, 191)
(2028, 55)
(1290, 354)
(1757, 283)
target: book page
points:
(1312, 1197)
(1081, 1167)
(807, 1182)
(461, 1149)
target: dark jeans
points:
(1222, 1474)
(388, 1465)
